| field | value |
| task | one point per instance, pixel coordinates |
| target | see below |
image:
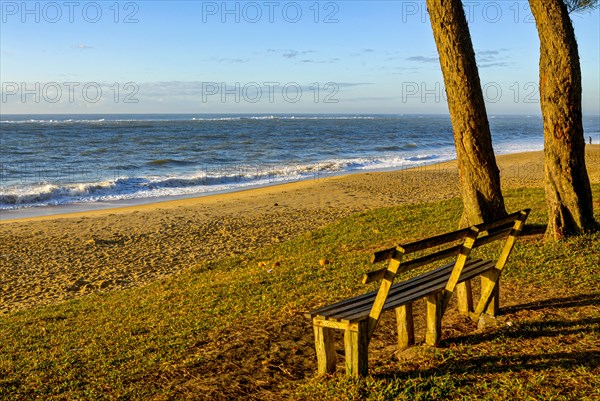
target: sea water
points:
(52, 160)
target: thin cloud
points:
(232, 60)
(423, 59)
(485, 58)
(328, 61)
(489, 65)
(492, 52)
(362, 52)
(291, 53)
(228, 60)
(492, 58)
(83, 46)
(489, 53)
(195, 89)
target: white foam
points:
(219, 178)
(232, 118)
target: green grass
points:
(233, 329)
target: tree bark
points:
(567, 185)
(479, 174)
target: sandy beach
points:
(49, 259)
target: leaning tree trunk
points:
(479, 175)
(568, 193)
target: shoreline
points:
(81, 208)
(77, 209)
(49, 259)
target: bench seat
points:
(358, 308)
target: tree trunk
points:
(479, 175)
(568, 193)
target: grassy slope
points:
(232, 328)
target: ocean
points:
(57, 160)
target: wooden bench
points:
(358, 316)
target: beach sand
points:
(45, 260)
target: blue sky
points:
(265, 57)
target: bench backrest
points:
(453, 244)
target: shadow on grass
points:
(540, 328)
(531, 331)
(472, 369)
(567, 302)
(534, 229)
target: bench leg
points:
(464, 296)
(434, 318)
(356, 345)
(494, 305)
(491, 303)
(326, 357)
(406, 328)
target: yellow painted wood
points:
(356, 346)
(434, 319)
(494, 304)
(326, 358)
(512, 239)
(492, 236)
(464, 295)
(488, 286)
(420, 245)
(377, 275)
(435, 241)
(406, 328)
(332, 324)
(511, 218)
(493, 274)
(384, 290)
(488, 282)
(458, 266)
